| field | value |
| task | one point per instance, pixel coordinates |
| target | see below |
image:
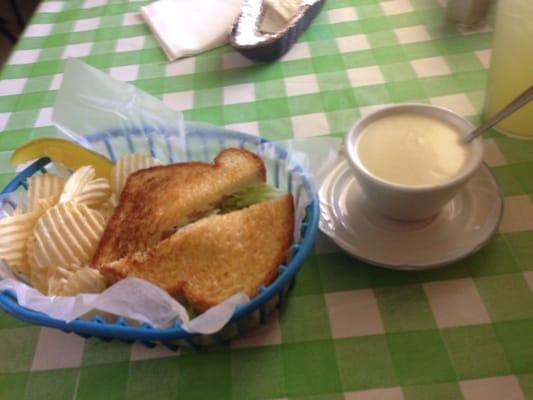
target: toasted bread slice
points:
(216, 257)
(157, 199)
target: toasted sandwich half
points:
(157, 200)
(213, 258)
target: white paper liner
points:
(130, 298)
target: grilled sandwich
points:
(158, 200)
(211, 259)
(200, 231)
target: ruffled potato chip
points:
(77, 183)
(71, 283)
(86, 280)
(38, 276)
(56, 280)
(39, 280)
(45, 204)
(66, 234)
(43, 187)
(127, 165)
(95, 193)
(13, 233)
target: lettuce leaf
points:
(247, 197)
(251, 195)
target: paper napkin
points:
(188, 27)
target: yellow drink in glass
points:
(511, 67)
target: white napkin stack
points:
(188, 27)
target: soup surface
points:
(411, 149)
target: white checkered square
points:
(131, 18)
(315, 124)
(77, 50)
(263, 335)
(412, 34)
(44, 118)
(353, 313)
(515, 208)
(246, 127)
(51, 6)
(179, 100)
(495, 388)
(24, 56)
(394, 7)
(342, 15)
(348, 44)
(56, 349)
(301, 84)
(298, 52)
(56, 81)
(129, 44)
(9, 87)
(492, 154)
(125, 73)
(365, 76)
(484, 56)
(141, 352)
(394, 393)
(38, 30)
(431, 66)
(93, 3)
(456, 302)
(181, 67)
(243, 93)
(235, 60)
(87, 24)
(455, 102)
(4, 119)
(365, 110)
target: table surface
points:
(348, 330)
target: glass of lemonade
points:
(511, 68)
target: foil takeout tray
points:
(246, 38)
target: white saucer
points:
(462, 227)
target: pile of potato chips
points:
(53, 241)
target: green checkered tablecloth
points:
(348, 330)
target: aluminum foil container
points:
(248, 40)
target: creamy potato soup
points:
(411, 149)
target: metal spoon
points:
(510, 108)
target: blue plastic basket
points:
(202, 141)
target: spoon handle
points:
(514, 105)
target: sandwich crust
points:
(157, 199)
(216, 257)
